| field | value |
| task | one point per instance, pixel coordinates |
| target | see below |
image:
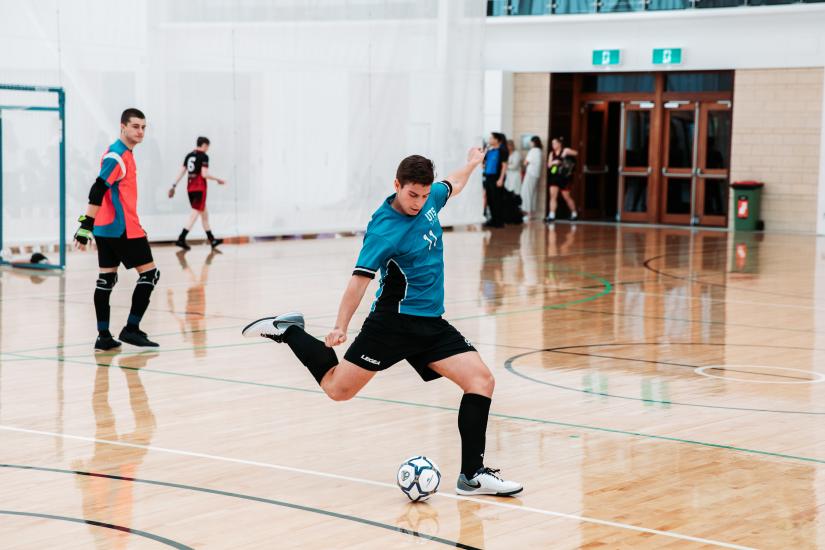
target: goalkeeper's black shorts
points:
(113, 251)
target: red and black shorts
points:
(197, 199)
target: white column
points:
(820, 209)
(498, 102)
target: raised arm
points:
(349, 303)
(460, 177)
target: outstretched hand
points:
(171, 192)
(476, 155)
(335, 337)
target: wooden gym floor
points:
(656, 388)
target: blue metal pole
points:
(1, 186)
(61, 100)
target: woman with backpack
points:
(561, 163)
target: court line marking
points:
(338, 515)
(695, 321)
(328, 475)
(130, 530)
(818, 376)
(509, 367)
(691, 280)
(453, 409)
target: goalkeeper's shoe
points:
(105, 343)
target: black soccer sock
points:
(210, 236)
(103, 290)
(472, 425)
(313, 353)
(183, 233)
(140, 297)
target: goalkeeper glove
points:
(84, 234)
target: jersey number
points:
(190, 165)
(432, 241)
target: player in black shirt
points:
(196, 166)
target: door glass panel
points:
(718, 140)
(608, 6)
(592, 188)
(635, 194)
(609, 83)
(595, 129)
(637, 137)
(680, 149)
(699, 82)
(574, 6)
(657, 5)
(678, 196)
(716, 197)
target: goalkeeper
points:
(111, 218)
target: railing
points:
(560, 7)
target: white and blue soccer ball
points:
(418, 478)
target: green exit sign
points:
(606, 57)
(667, 56)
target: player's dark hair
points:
(536, 140)
(415, 169)
(131, 113)
(203, 141)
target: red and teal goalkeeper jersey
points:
(118, 212)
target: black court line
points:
(694, 321)
(281, 503)
(720, 285)
(158, 538)
(508, 365)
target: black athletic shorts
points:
(113, 251)
(559, 181)
(197, 200)
(387, 338)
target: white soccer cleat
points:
(273, 327)
(486, 482)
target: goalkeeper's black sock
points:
(103, 290)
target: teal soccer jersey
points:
(409, 253)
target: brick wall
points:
(531, 113)
(777, 119)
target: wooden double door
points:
(655, 161)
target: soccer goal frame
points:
(61, 113)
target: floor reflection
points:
(110, 500)
(192, 323)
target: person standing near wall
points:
(561, 162)
(513, 180)
(532, 174)
(495, 168)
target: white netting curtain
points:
(309, 104)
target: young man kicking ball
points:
(196, 166)
(403, 242)
(111, 218)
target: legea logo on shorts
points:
(370, 360)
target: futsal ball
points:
(418, 478)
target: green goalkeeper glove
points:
(84, 234)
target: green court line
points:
(607, 288)
(455, 410)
